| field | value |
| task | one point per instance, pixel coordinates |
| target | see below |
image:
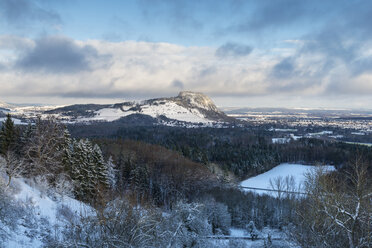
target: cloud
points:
(177, 84)
(274, 13)
(15, 43)
(331, 59)
(59, 66)
(267, 15)
(231, 49)
(283, 69)
(178, 15)
(66, 68)
(58, 55)
(19, 12)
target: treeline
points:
(243, 151)
(144, 195)
(151, 186)
(150, 173)
(159, 174)
(46, 152)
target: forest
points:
(156, 186)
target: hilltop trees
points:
(46, 150)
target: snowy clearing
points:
(262, 181)
(16, 121)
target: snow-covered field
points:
(280, 140)
(169, 109)
(16, 121)
(262, 181)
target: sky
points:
(242, 53)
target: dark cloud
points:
(232, 49)
(206, 71)
(332, 42)
(10, 42)
(339, 43)
(103, 92)
(274, 13)
(2, 67)
(57, 55)
(283, 69)
(279, 14)
(361, 66)
(287, 76)
(178, 84)
(20, 12)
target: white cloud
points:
(150, 69)
(143, 67)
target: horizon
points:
(224, 108)
(257, 54)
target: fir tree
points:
(67, 149)
(99, 167)
(8, 135)
(87, 169)
(111, 172)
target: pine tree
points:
(79, 171)
(67, 150)
(87, 169)
(8, 135)
(99, 167)
(111, 172)
(27, 134)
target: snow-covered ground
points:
(16, 121)
(107, 114)
(169, 109)
(46, 206)
(262, 181)
(280, 140)
(240, 238)
(358, 143)
(43, 209)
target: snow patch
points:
(169, 109)
(262, 181)
(16, 121)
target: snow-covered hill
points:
(4, 105)
(188, 107)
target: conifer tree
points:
(8, 135)
(111, 172)
(67, 149)
(81, 171)
(87, 168)
(99, 167)
(26, 135)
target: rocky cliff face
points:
(201, 102)
(196, 100)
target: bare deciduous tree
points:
(42, 150)
(11, 165)
(341, 206)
